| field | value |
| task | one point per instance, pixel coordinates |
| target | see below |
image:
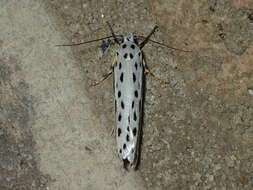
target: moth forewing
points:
(128, 82)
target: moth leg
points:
(103, 79)
(105, 76)
(112, 131)
(148, 71)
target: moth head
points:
(130, 38)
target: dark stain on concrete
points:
(18, 164)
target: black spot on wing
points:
(135, 116)
(139, 54)
(131, 56)
(132, 104)
(119, 117)
(134, 77)
(121, 77)
(127, 138)
(136, 66)
(132, 46)
(124, 146)
(136, 94)
(119, 131)
(124, 46)
(119, 94)
(120, 65)
(122, 105)
(125, 55)
(134, 131)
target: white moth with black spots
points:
(128, 71)
(128, 87)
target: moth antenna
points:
(165, 45)
(113, 34)
(143, 43)
(90, 41)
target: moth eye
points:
(124, 46)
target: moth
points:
(128, 94)
(128, 71)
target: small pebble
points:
(250, 91)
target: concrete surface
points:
(54, 128)
(70, 145)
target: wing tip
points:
(127, 164)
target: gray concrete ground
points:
(54, 128)
(44, 101)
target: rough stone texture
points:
(18, 162)
(50, 137)
(197, 130)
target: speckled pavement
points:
(54, 128)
